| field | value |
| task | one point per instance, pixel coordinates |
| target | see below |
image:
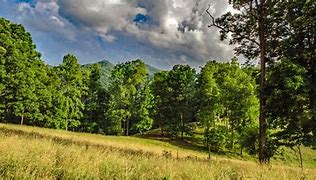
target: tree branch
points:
(213, 23)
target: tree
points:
(238, 97)
(143, 103)
(2, 85)
(19, 60)
(208, 100)
(92, 113)
(161, 110)
(296, 46)
(226, 96)
(127, 94)
(250, 28)
(287, 104)
(69, 92)
(56, 109)
(181, 82)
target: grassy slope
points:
(29, 152)
(289, 157)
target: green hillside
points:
(38, 153)
(107, 66)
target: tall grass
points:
(33, 153)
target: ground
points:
(37, 153)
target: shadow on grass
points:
(189, 143)
(195, 143)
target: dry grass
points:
(35, 153)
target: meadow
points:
(39, 153)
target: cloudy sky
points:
(160, 32)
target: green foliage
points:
(18, 65)
(217, 138)
(142, 120)
(106, 68)
(296, 45)
(70, 91)
(286, 34)
(161, 108)
(208, 95)
(226, 95)
(93, 111)
(174, 99)
(249, 139)
(287, 100)
(130, 99)
(181, 82)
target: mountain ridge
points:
(107, 66)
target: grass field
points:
(38, 153)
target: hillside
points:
(38, 153)
(107, 66)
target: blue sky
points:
(161, 33)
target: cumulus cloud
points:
(43, 16)
(177, 25)
(171, 31)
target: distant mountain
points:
(107, 66)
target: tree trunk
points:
(262, 44)
(312, 98)
(22, 119)
(300, 153)
(209, 151)
(161, 125)
(313, 89)
(182, 125)
(127, 126)
(232, 139)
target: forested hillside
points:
(105, 71)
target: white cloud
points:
(178, 25)
(176, 28)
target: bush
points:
(249, 140)
(217, 138)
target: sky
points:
(160, 32)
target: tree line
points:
(223, 98)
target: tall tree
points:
(238, 96)
(296, 45)
(70, 91)
(249, 28)
(287, 104)
(226, 95)
(18, 72)
(208, 100)
(127, 80)
(161, 100)
(181, 82)
(2, 85)
(143, 104)
(92, 112)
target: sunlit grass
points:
(36, 153)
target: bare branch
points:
(213, 23)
